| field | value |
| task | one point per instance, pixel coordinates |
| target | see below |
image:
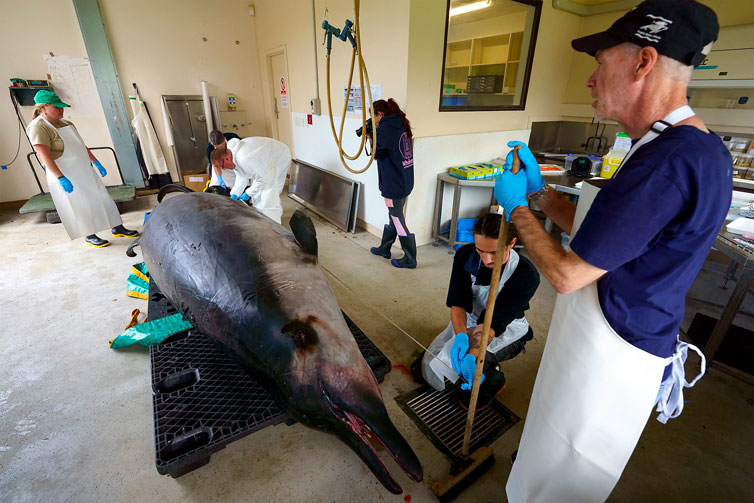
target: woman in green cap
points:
(80, 197)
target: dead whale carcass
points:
(255, 288)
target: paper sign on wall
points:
(355, 100)
(73, 81)
(283, 94)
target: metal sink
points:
(561, 153)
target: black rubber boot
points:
(494, 383)
(121, 232)
(388, 238)
(416, 369)
(408, 243)
(96, 241)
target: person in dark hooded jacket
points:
(395, 165)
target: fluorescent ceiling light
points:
(463, 9)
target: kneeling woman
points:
(395, 165)
(80, 197)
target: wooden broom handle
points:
(497, 267)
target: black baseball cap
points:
(680, 29)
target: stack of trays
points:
(484, 84)
(480, 171)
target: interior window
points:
(489, 47)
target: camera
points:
(360, 131)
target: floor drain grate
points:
(443, 420)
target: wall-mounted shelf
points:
(483, 56)
(25, 95)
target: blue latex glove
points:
(468, 369)
(510, 191)
(244, 197)
(233, 196)
(534, 180)
(66, 184)
(459, 349)
(221, 181)
(100, 168)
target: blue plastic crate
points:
(465, 231)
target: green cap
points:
(49, 97)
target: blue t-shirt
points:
(651, 228)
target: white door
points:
(281, 111)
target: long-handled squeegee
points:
(470, 466)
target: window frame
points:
(537, 4)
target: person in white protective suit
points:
(637, 243)
(458, 346)
(80, 197)
(261, 164)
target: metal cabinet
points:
(188, 123)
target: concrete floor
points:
(77, 416)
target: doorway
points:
(277, 66)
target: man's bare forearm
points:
(475, 339)
(558, 208)
(564, 270)
(458, 319)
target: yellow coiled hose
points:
(363, 75)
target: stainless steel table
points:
(562, 182)
(745, 258)
(458, 184)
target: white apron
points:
(154, 159)
(592, 397)
(89, 208)
(433, 371)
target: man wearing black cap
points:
(612, 351)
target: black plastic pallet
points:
(202, 400)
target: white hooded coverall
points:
(263, 164)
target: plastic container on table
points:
(465, 231)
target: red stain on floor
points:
(407, 498)
(403, 369)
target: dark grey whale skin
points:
(255, 288)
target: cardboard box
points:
(197, 182)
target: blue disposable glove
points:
(233, 196)
(221, 181)
(66, 184)
(510, 191)
(100, 168)
(244, 197)
(459, 349)
(468, 369)
(534, 180)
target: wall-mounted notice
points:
(73, 81)
(283, 93)
(355, 100)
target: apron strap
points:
(670, 398)
(659, 127)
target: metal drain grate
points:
(441, 418)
